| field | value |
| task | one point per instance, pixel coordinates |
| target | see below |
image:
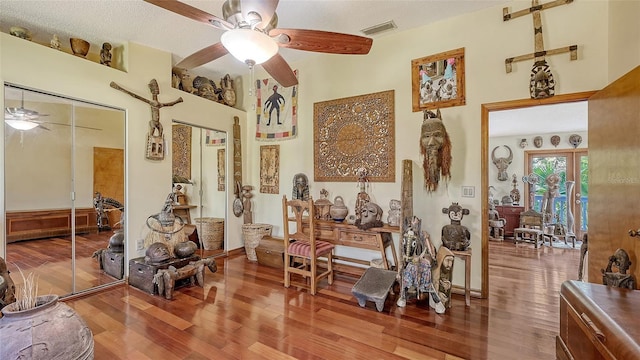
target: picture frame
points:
(270, 169)
(437, 81)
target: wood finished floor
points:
(244, 312)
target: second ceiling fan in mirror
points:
(251, 35)
(21, 118)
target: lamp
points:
(21, 124)
(249, 46)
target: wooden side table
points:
(466, 256)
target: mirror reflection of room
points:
(199, 185)
(64, 181)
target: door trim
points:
(484, 131)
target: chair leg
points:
(287, 275)
(330, 267)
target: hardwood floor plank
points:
(244, 312)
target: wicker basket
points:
(211, 232)
(252, 234)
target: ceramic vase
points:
(51, 330)
(79, 47)
(185, 249)
(338, 210)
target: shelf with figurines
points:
(223, 93)
(108, 55)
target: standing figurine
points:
(393, 217)
(247, 195)
(105, 54)
(155, 139)
(456, 236)
(55, 42)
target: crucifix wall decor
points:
(541, 84)
(155, 137)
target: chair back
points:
(531, 219)
(298, 208)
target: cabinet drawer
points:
(358, 239)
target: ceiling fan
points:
(251, 36)
(21, 118)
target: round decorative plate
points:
(238, 208)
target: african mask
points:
(502, 163)
(435, 147)
(370, 216)
(157, 253)
(300, 187)
(537, 141)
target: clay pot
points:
(79, 47)
(184, 249)
(51, 327)
(338, 210)
(116, 241)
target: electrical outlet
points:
(140, 244)
(468, 191)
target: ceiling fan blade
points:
(281, 72)
(265, 8)
(323, 41)
(192, 13)
(203, 56)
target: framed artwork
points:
(276, 110)
(181, 153)
(215, 138)
(352, 133)
(437, 81)
(221, 169)
(270, 169)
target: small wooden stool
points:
(466, 256)
(374, 285)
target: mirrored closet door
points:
(64, 189)
(199, 178)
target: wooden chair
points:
(302, 250)
(531, 228)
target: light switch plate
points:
(468, 191)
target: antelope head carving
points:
(502, 163)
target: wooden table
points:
(343, 234)
(466, 256)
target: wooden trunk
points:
(598, 322)
(512, 215)
(113, 263)
(270, 252)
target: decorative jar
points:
(338, 210)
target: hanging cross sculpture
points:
(155, 138)
(542, 84)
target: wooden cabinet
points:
(512, 215)
(598, 322)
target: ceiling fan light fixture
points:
(20, 124)
(249, 46)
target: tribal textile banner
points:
(276, 110)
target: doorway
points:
(486, 110)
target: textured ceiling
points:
(119, 21)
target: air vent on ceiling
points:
(376, 29)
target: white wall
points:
(487, 41)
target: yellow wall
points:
(602, 30)
(148, 182)
(487, 41)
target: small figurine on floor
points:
(456, 236)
